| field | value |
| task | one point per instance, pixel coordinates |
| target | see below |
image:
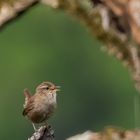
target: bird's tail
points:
(27, 96)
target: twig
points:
(43, 133)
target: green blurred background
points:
(46, 44)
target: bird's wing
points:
(28, 106)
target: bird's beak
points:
(56, 88)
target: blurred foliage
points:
(49, 45)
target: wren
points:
(38, 108)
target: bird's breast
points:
(43, 109)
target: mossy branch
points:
(115, 23)
(108, 134)
(10, 9)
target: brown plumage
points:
(40, 106)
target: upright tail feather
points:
(27, 96)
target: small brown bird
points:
(39, 107)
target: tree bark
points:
(43, 133)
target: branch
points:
(43, 133)
(108, 134)
(114, 22)
(10, 10)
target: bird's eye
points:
(47, 88)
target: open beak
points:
(56, 88)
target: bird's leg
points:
(34, 127)
(46, 123)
